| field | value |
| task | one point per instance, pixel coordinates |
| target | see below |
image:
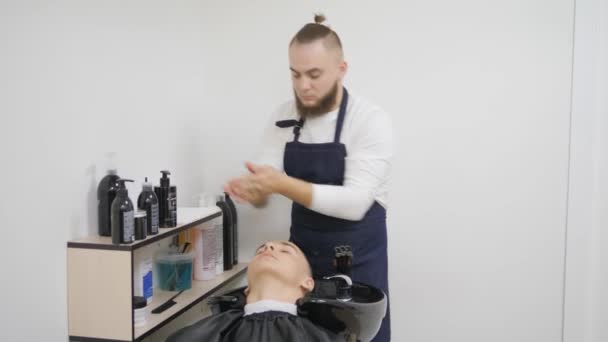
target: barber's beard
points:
(325, 105)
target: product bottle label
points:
(153, 214)
(219, 238)
(172, 208)
(147, 285)
(128, 224)
(209, 251)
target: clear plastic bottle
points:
(219, 245)
(204, 252)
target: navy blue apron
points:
(317, 234)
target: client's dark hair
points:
(308, 267)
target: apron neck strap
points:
(339, 123)
(341, 115)
(297, 128)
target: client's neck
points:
(269, 288)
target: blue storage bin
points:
(174, 271)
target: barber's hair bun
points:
(319, 18)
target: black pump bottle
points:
(123, 221)
(235, 229)
(148, 202)
(106, 192)
(167, 201)
(228, 236)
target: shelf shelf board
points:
(186, 217)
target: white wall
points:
(586, 277)
(78, 80)
(599, 256)
(479, 92)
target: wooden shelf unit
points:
(100, 285)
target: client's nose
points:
(269, 245)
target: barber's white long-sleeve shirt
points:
(368, 135)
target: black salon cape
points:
(270, 326)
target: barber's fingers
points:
(236, 190)
(251, 167)
(246, 189)
(228, 189)
(238, 198)
(232, 186)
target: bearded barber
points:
(329, 151)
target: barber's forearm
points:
(342, 201)
(295, 189)
(338, 201)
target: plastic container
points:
(143, 279)
(206, 200)
(204, 252)
(140, 311)
(141, 225)
(174, 270)
(219, 245)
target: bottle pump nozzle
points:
(123, 187)
(147, 185)
(164, 181)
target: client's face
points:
(284, 261)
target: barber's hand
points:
(265, 179)
(244, 190)
(233, 188)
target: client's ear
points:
(246, 292)
(308, 284)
